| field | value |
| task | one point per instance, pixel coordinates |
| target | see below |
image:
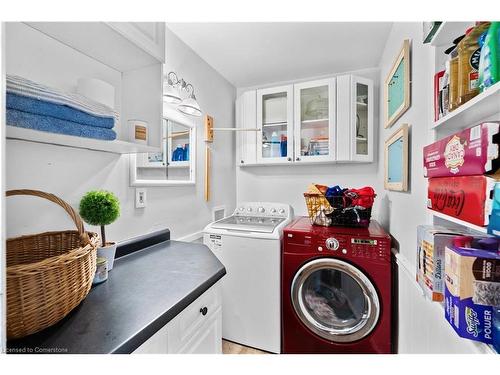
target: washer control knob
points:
(344, 251)
(242, 208)
(273, 210)
(332, 243)
(320, 248)
(249, 209)
(282, 211)
(261, 210)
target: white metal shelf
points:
(452, 219)
(448, 31)
(115, 147)
(478, 108)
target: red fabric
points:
(363, 197)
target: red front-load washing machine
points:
(336, 289)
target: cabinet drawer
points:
(185, 325)
(156, 344)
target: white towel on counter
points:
(23, 86)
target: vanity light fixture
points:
(172, 89)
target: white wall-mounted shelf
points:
(95, 39)
(448, 31)
(478, 108)
(452, 219)
(115, 147)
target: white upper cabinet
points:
(314, 121)
(319, 121)
(246, 118)
(275, 119)
(355, 119)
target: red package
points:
(467, 198)
(437, 95)
(472, 151)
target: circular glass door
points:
(335, 300)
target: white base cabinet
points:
(195, 330)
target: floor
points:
(229, 347)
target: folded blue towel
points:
(60, 111)
(55, 125)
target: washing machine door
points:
(335, 300)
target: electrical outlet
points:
(140, 197)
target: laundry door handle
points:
(204, 311)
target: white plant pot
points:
(108, 252)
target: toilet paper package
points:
(472, 290)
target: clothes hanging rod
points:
(239, 129)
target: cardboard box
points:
(431, 245)
(468, 198)
(472, 288)
(473, 151)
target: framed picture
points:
(396, 160)
(397, 87)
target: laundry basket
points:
(352, 208)
(48, 274)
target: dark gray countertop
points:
(144, 291)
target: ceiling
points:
(250, 54)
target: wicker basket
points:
(48, 274)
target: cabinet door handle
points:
(298, 159)
(241, 161)
(204, 311)
(289, 159)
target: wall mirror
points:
(174, 164)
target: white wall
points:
(287, 183)
(422, 326)
(69, 173)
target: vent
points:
(218, 213)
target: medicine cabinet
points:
(321, 121)
(174, 164)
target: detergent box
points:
(494, 223)
(431, 243)
(472, 290)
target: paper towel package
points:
(473, 151)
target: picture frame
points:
(397, 96)
(396, 160)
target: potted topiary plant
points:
(101, 208)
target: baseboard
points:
(408, 270)
(190, 237)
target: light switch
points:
(140, 197)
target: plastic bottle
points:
(275, 145)
(178, 154)
(453, 85)
(468, 63)
(453, 75)
(489, 63)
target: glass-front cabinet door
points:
(315, 120)
(362, 119)
(275, 121)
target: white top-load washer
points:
(248, 243)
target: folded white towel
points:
(23, 86)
